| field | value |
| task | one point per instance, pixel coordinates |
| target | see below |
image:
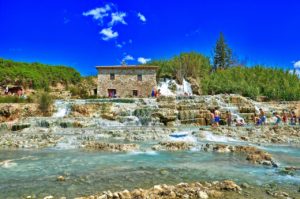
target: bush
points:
(36, 75)
(78, 91)
(144, 115)
(13, 99)
(45, 102)
(275, 84)
(255, 81)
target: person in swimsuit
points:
(256, 120)
(284, 117)
(262, 117)
(228, 118)
(212, 118)
(278, 119)
(217, 117)
(293, 118)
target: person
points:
(217, 116)
(240, 122)
(158, 93)
(262, 117)
(212, 118)
(284, 117)
(293, 118)
(256, 120)
(228, 118)
(153, 92)
(278, 119)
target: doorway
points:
(112, 93)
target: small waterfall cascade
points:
(63, 108)
(172, 88)
(185, 89)
(218, 100)
(164, 87)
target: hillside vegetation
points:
(36, 75)
(276, 84)
(224, 74)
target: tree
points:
(222, 54)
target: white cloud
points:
(117, 17)
(98, 13)
(296, 69)
(143, 60)
(108, 34)
(141, 17)
(297, 64)
(119, 45)
(128, 58)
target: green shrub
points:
(36, 75)
(275, 84)
(45, 102)
(144, 115)
(15, 99)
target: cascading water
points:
(219, 101)
(180, 90)
(163, 86)
(63, 108)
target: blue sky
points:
(86, 33)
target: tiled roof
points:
(130, 67)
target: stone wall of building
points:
(126, 80)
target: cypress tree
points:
(222, 54)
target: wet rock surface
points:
(27, 140)
(172, 146)
(182, 190)
(261, 135)
(253, 154)
(111, 147)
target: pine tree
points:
(222, 54)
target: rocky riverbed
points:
(148, 146)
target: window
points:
(140, 77)
(112, 76)
(135, 93)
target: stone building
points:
(126, 81)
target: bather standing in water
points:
(278, 119)
(228, 118)
(212, 118)
(293, 118)
(256, 119)
(262, 117)
(284, 117)
(217, 117)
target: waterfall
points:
(187, 88)
(63, 108)
(181, 90)
(163, 86)
(218, 99)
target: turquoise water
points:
(35, 172)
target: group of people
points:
(215, 119)
(155, 92)
(287, 118)
(259, 119)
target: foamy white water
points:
(62, 108)
(209, 136)
(181, 90)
